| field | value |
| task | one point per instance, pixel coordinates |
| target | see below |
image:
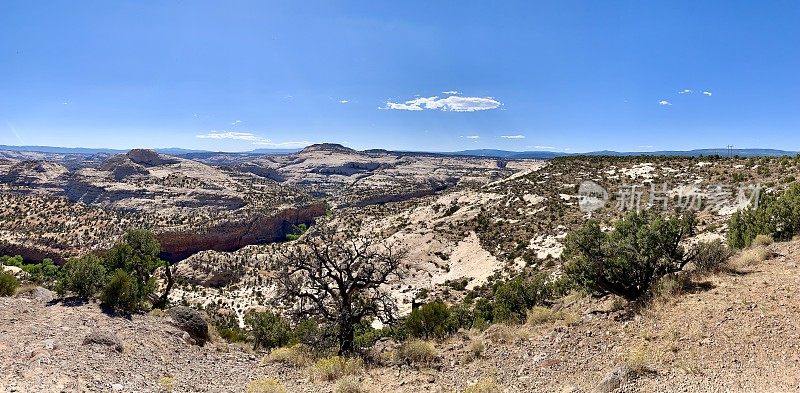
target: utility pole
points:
(730, 151)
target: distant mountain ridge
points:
(493, 153)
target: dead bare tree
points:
(339, 277)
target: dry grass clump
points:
(335, 367)
(416, 352)
(638, 358)
(296, 355)
(265, 385)
(540, 315)
(476, 349)
(752, 256)
(348, 385)
(485, 385)
(167, 382)
(763, 240)
(502, 334)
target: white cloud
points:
(708, 93)
(285, 144)
(451, 92)
(513, 136)
(645, 146)
(539, 147)
(452, 103)
(685, 91)
(241, 136)
(250, 137)
(344, 101)
(470, 136)
(665, 102)
(236, 122)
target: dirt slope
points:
(733, 332)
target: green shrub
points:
(8, 283)
(711, 255)
(121, 293)
(626, 261)
(84, 276)
(513, 299)
(137, 253)
(45, 272)
(429, 320)
(778, 217)
(269, 330)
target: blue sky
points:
(557, 75)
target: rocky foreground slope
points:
(736, 331)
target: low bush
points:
(429, 320)
(628, 260)
(416, 352)
(335, 367)
(8, 283)
(268, 329)
(711, 255)
(513, 299)
(84, 276)
(121, 293)
(265, 385)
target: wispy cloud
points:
(240, 136)
(252, 138)
(665, 102)
(451, 103)
(539, 147)
(685, 91)
(471, 136)
(707, 93)
(451, 92)
(236, 123)
(645, 146)
(513, 136)
(344, 101)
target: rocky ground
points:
(735, 331)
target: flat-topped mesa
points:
(149, 157)
(328, 147)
